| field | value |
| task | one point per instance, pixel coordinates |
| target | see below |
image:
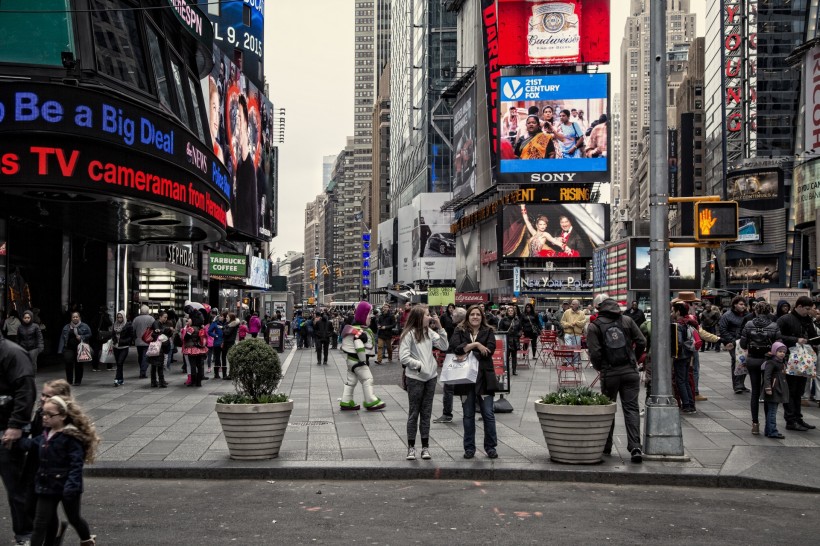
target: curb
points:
(482, 471)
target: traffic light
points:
(716, 221)
(312, 274)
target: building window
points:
(36, 38)
(160, 68)
(118, 45)
(246, 15)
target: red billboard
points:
(553, 32)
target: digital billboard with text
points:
(553, 129)
(464, 139)
(553, 231)
(557, 32)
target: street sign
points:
(716, 221)
(516, 281)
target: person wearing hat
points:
(610, 340)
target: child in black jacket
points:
(774, 388)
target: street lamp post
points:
(663, 438)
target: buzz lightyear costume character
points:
(358, 344)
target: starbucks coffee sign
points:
(227, 266)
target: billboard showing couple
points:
(241, 128)
(553, 231)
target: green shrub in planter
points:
(255, 372)
(576, 396)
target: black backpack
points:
(615, 344)
(759, 342)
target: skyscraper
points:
(634, 92)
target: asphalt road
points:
(124, 511)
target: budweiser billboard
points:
(470, 299)
(553, 32)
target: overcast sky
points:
(309, 67)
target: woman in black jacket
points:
(511, 325)
(122, 336)
(475, 336)
(531, 327)
(30, 337)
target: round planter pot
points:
(254, 431)
(575, 434)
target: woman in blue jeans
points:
(475, 336)
(122, 336)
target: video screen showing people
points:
(553, 231)
(556, 124)
(683, 269)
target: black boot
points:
(161, 374)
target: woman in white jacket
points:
(421, 333)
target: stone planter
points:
(254, 431)
(575, 434)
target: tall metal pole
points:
(663, 438)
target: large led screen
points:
(386, 259)
(684, 267)
(553, 32)
(241, 128)
(754, 271)
(464, 139)
(553, 231)
(553, 129)
(753, 186)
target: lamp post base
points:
(663, 436)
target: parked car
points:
(443, 243)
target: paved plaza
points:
(176, 432)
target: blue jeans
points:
(468, 407)
(571, 339)
(680, 367)
(447, 400)
(141, 350)
(11, 468)
(696, 364)
(771, 419)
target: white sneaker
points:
(425, 453)
(411, 454)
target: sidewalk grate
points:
(309, 423)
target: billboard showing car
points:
(553, 129)
(433, 245)
(553, 32)
(553, 231)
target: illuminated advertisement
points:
(753, 186)
(123, 144)
(467, 266)
(811, 77)
(385, 259)
(756, 271)
(610, 271)
(553, 129)
(553, 231)
(241, 128)
(806, 190)
(464, 139)
(406, 218)
(433, 245)
(750, 229)
(258, 273)
(227, 266)
(684, 267)
(231, 33)
(553, 32)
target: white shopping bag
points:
(107, 352)
(459, 372)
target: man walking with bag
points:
(610, 339)
(796, 327)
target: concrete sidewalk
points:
(175, 433)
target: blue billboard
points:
(239, 26)
(554, 129)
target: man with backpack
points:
(757, 338)
(610, 340)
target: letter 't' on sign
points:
(716, 221)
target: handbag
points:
(148, 335)
(107, 352)
(457, 371)
(802, 361)
(741, 355)
(84, 353)
(154, 348)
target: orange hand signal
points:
(706, 221)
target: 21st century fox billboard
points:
(553, 129)
(553, 32)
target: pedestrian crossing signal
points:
(716, 221)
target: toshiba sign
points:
(812, 97)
